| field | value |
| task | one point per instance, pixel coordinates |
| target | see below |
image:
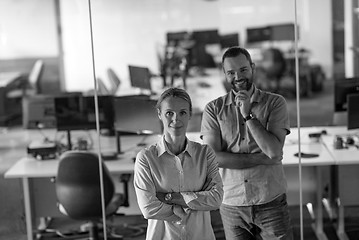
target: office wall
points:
(130, 32)
(27, 29)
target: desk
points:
(30, 170)
(312, 173)
(344, 175)
(36, 176)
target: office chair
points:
(101, 89)
(78, 190)
(274, 66)
(31, 86)
(27, 87)
(114, 80)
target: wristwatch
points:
(249, 117)
(168, 197)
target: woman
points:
(176, 180)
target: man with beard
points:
(247, 129)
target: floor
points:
(315, 110)
(134, 227)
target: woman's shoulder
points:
(149, 150)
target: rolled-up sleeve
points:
(150, 206)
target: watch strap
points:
(249, 117)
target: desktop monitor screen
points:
(229, 40)
(260, 34)
(38, 112)
(140, 77)
(353, 111)
(208, 36)
(136, 115)
(200, 57)
(176, 36)
(78, 112)
(282, 32)
(342, 88)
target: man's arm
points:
(270, 142)
(237, 160)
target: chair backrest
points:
(78, 185)
(114, 80)
(102, 89)
(36, 73)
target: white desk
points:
(36, 175)
(29, 169)
(344, 175)
(312, 172)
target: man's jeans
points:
(266, 221)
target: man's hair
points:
(174, 92)
(236, 51)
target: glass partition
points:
(82, 46)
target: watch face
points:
(168, 196)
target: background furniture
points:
(31, 86)
(28, 86)
(78, 189)
(8, 82)
(37, 179)
(34, 172)
(114, 80)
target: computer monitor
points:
(229, 40)
(78, 112)
(258, 34)
(176, 36)
(353, 111)
(140, 77)
(38, 112)
(136, 115)
(282, 32)
(342, 88)
(202, 39)
(206, 36)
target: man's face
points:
(239, 72)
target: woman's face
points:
(174, 114)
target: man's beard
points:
(244, 84)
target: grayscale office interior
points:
(85, 75)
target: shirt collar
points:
(162, 147)
(256, 96)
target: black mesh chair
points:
(78, 190)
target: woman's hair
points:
(236, 51)
(174, 92)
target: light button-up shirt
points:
(159, 170)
